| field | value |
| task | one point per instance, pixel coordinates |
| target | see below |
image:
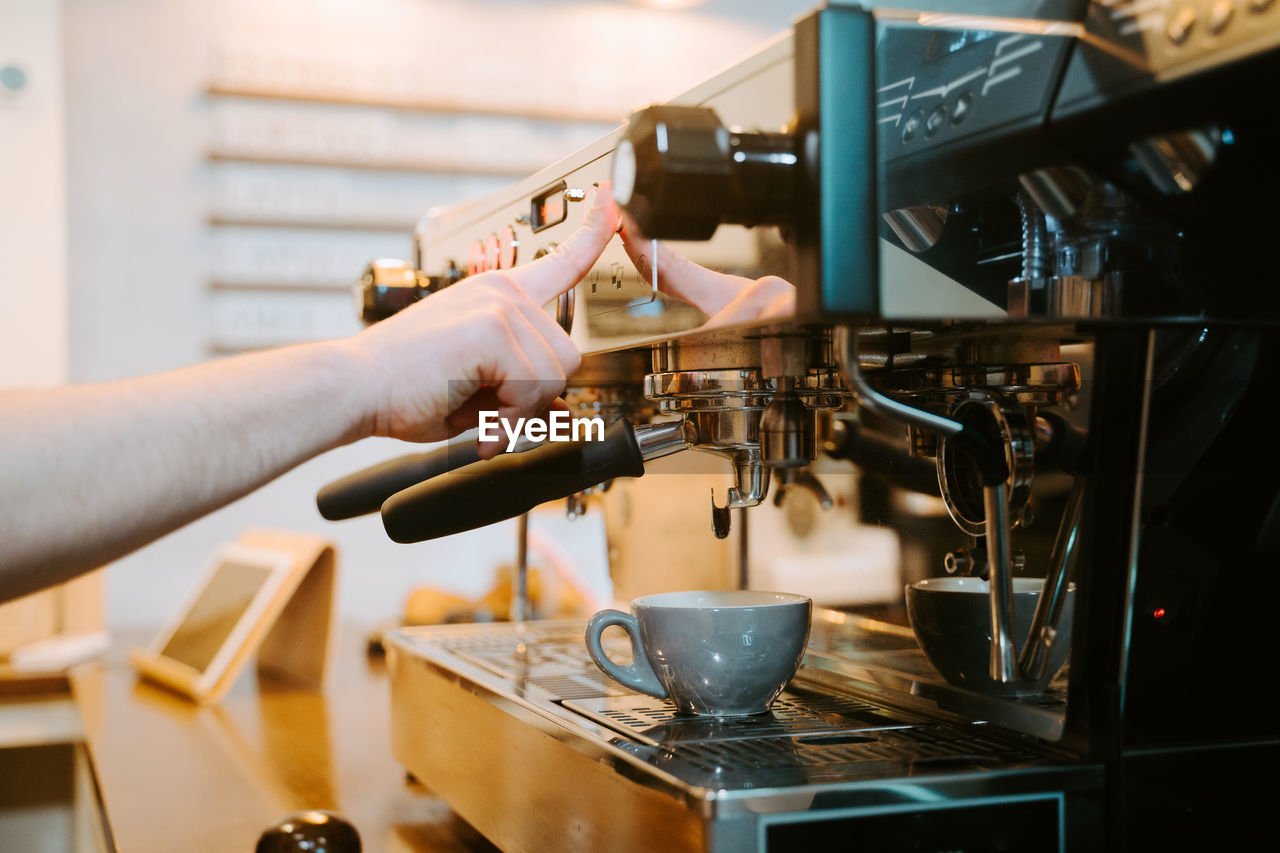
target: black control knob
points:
(312, 832)
(388, 286)
(679, 173)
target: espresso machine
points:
(1029, 250)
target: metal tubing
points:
(1003, 654)
(846, 345)
(520, 598)
(1044, 624)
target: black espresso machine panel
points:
(1030, 245)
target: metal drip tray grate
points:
(804, 740)
(911, 750)
(656, 722)
(579, 686)
(812, 735)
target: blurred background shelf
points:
(398, 227)
(452, 167)
(413, 104)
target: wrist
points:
(356, 387)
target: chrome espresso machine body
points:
(1032, 266)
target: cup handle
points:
(637, 675)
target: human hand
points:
(482, 344)
(726, 299)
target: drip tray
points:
(656, 722)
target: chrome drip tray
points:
(819, 729)
(606, 768)
(656, 722)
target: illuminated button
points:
(1257, 7)
(1181, 25)
(961, 110)
(936, 120)
(507, 246)
(475, 258)
(1220, 14)
(911, 127)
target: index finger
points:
(554, 273)
(705, 289)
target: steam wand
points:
(993, 469)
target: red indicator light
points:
(1158, 612)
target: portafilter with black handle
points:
(451, 490)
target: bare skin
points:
(89, 473)
(727, 300)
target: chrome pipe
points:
(1034, 657)
(1000, 580)
(846, 346)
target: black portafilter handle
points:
(365, 491)
(510, 485)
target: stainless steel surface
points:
(579, 759)
(1034, 657)
(917, 227)
(1003, 655)
(658, 440)
(520, 605)
(846, 343)
(724, 408)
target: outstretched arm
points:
(89, 473)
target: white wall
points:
(139, 126)
(33, 230)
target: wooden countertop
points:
(176, 776)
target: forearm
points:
(89, 473)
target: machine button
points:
(507, 248)
(1181, 25)
(1220, 14)
(491, 252)
(936, 120)
(911, 127)
(961, 110)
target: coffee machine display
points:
(1018, 264)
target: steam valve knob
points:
(679, 173)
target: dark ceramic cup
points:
(951, 618)
(720, 653)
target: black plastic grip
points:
(365, 491)
(509, 485)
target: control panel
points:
(938, 87)
(1133, 44)
(614, 305)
